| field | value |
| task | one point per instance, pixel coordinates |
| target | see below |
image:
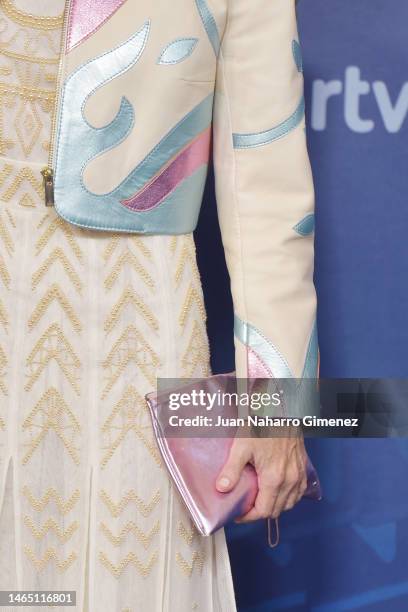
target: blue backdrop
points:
(350, 551)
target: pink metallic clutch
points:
(194, 463)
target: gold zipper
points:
(48, 182)
(48, 171)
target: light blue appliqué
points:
(78, 143)
(247, 141)
(311, 360)
(254, 339)
(306, 226)
(297, 55)
(177, 51)
(209, 24)
(251, 336)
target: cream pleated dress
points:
(88, 320)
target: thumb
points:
(231, 472)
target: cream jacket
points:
(147, 90)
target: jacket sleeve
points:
(264, 190)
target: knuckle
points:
(292, 481)
(276, 480)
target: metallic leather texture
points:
(263, 348)
(297, 55)
(86, 16)
(114, 210)
(191, 158)
(264, 359)
(312, 355)
(194, 463)
(209, 23)
(256, 367)
(246, 141)
(177, 51)
(306, 226)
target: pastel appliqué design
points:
(305, 227)
(297, 55)
(265, 360)
(209, 24)
(87, 17)
(257, 139)
(122, 209)
(177, 51)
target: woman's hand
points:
(280, 464)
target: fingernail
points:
(224, 482)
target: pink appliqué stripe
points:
(87, 16)
(256, 367)
(192, 157)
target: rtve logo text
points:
(393, 112)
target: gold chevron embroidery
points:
(51, 525)
(197, 560)
(110, 247)
(3, 366)
(5, 143)
(5, 172)
(130, 559)
(11, 218)
(130, 348)
(129, 297)
(192, 297)
(196, 358)
(140, 243)
(143, 538)
(43, 219)
(4, 273)
(3, 316)
(187, 534)
(57, 255)
(67, 230)
(53, 345)
(128, 259)
(131, 496)
(26, 174)
(6, 237)
(51, 494)
(54, 293)
(187, 260)
(50, 555)
(51, 413)
(128, 415)
(173, 243)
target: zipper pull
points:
(48, 182)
